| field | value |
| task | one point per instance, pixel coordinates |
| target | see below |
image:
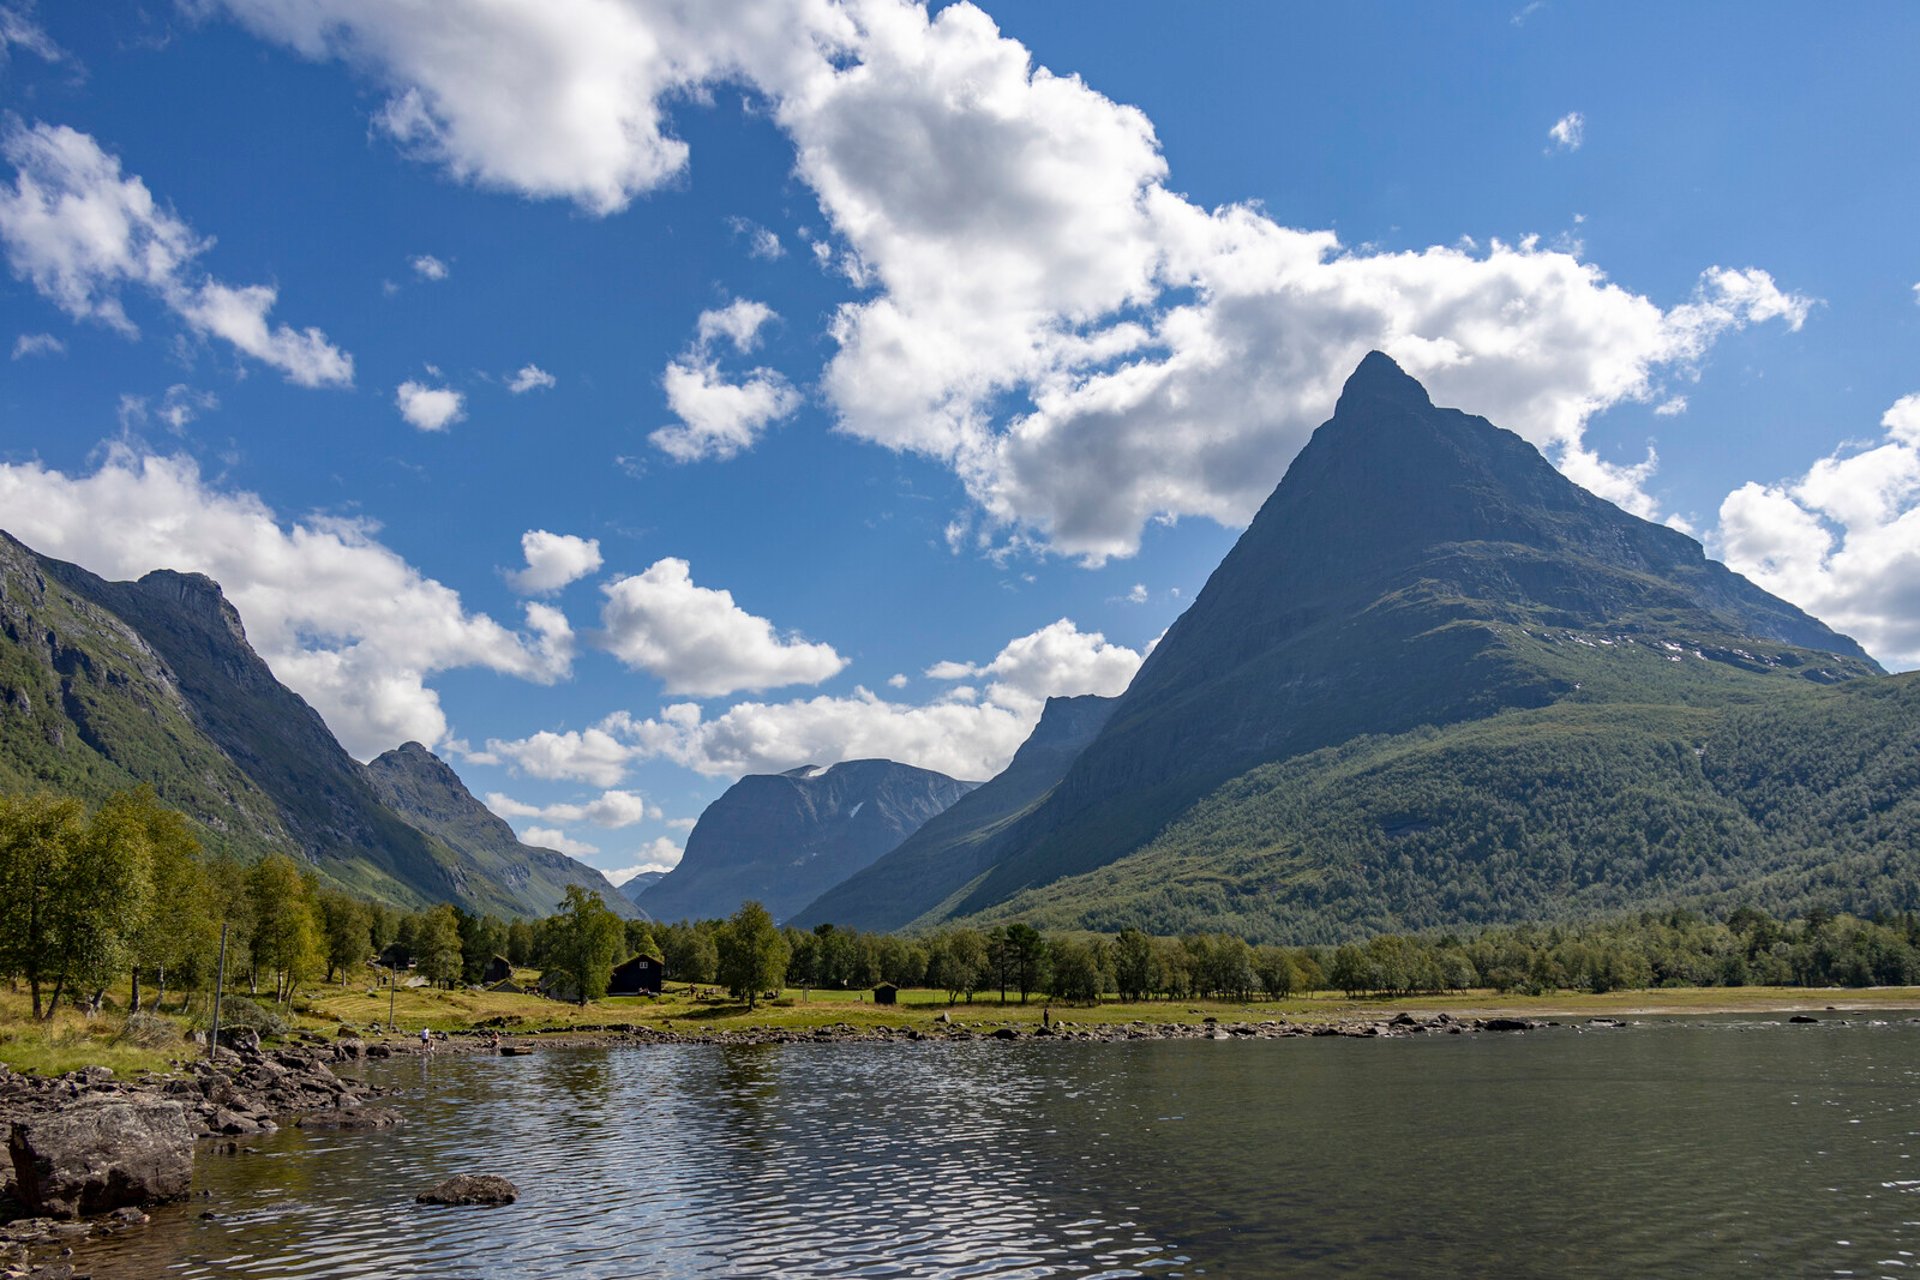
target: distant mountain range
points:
(105, 685)
(1434, 684)
(782, 839)
(955, 846)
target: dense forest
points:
(1806, 800)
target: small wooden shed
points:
(639, 976)
(886, 993)
(499, 969)
(396, 956)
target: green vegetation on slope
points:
(88, 709)
(1807, 797)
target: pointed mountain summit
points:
(781, 839)
(500, 871)
(1417, 566)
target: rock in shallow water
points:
(94, 1155)
(351, 1119)
(468, 1188)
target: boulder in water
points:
(470, 1188)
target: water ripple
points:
(1723, 1148)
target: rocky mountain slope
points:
(521, 879)
(953, 848)
(782, 839)
(104, 685)
(1417, 568)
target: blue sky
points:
(952, 347)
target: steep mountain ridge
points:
(945, 855)
(105, 685)
(1416, 566)
(88, 707)
(783, 839)
(512, 877)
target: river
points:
(1697, 1147)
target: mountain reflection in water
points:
(1699, 1148)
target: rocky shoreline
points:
(88, 1151)
(1061, 1029)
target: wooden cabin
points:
(555, 985)
(640, 976)
(499, 969)
(886, 993)
(396, 956)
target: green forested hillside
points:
(88, 709)
(1416, 566)
(1804, 797)
(108, 685)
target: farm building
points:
(886, 993)
(499, 969)
(641, 975)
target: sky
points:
(620, 397)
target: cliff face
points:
(781, 839)
(954, 847)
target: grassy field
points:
(71, 1041)
(74, 1040)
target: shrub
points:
(238, 1011)
(150, 1031)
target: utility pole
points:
(219, 984)
(393, 987)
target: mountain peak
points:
(1377, 377)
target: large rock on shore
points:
(98, 1154)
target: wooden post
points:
(219, 982)
(393, 986)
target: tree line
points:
(124, 890)
(1680, 947)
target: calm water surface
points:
(1700, 1148)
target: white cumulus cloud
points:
(553, 561)
(1017, 242)
(554, 838)
(1057, 659)
(968, 736)
(610, 809)
(80, 232)
(698, 641)
(761, 242)
(37, 344)
(721, 416)
(658, 854)
(340, 618)
(1569, 131)
(429, 408)
(428, 267)
(531, 378)
(1843, 540)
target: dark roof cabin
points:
(886, 993)
(499, 969)
(555, 985)
(396, 956)
(641, 975)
